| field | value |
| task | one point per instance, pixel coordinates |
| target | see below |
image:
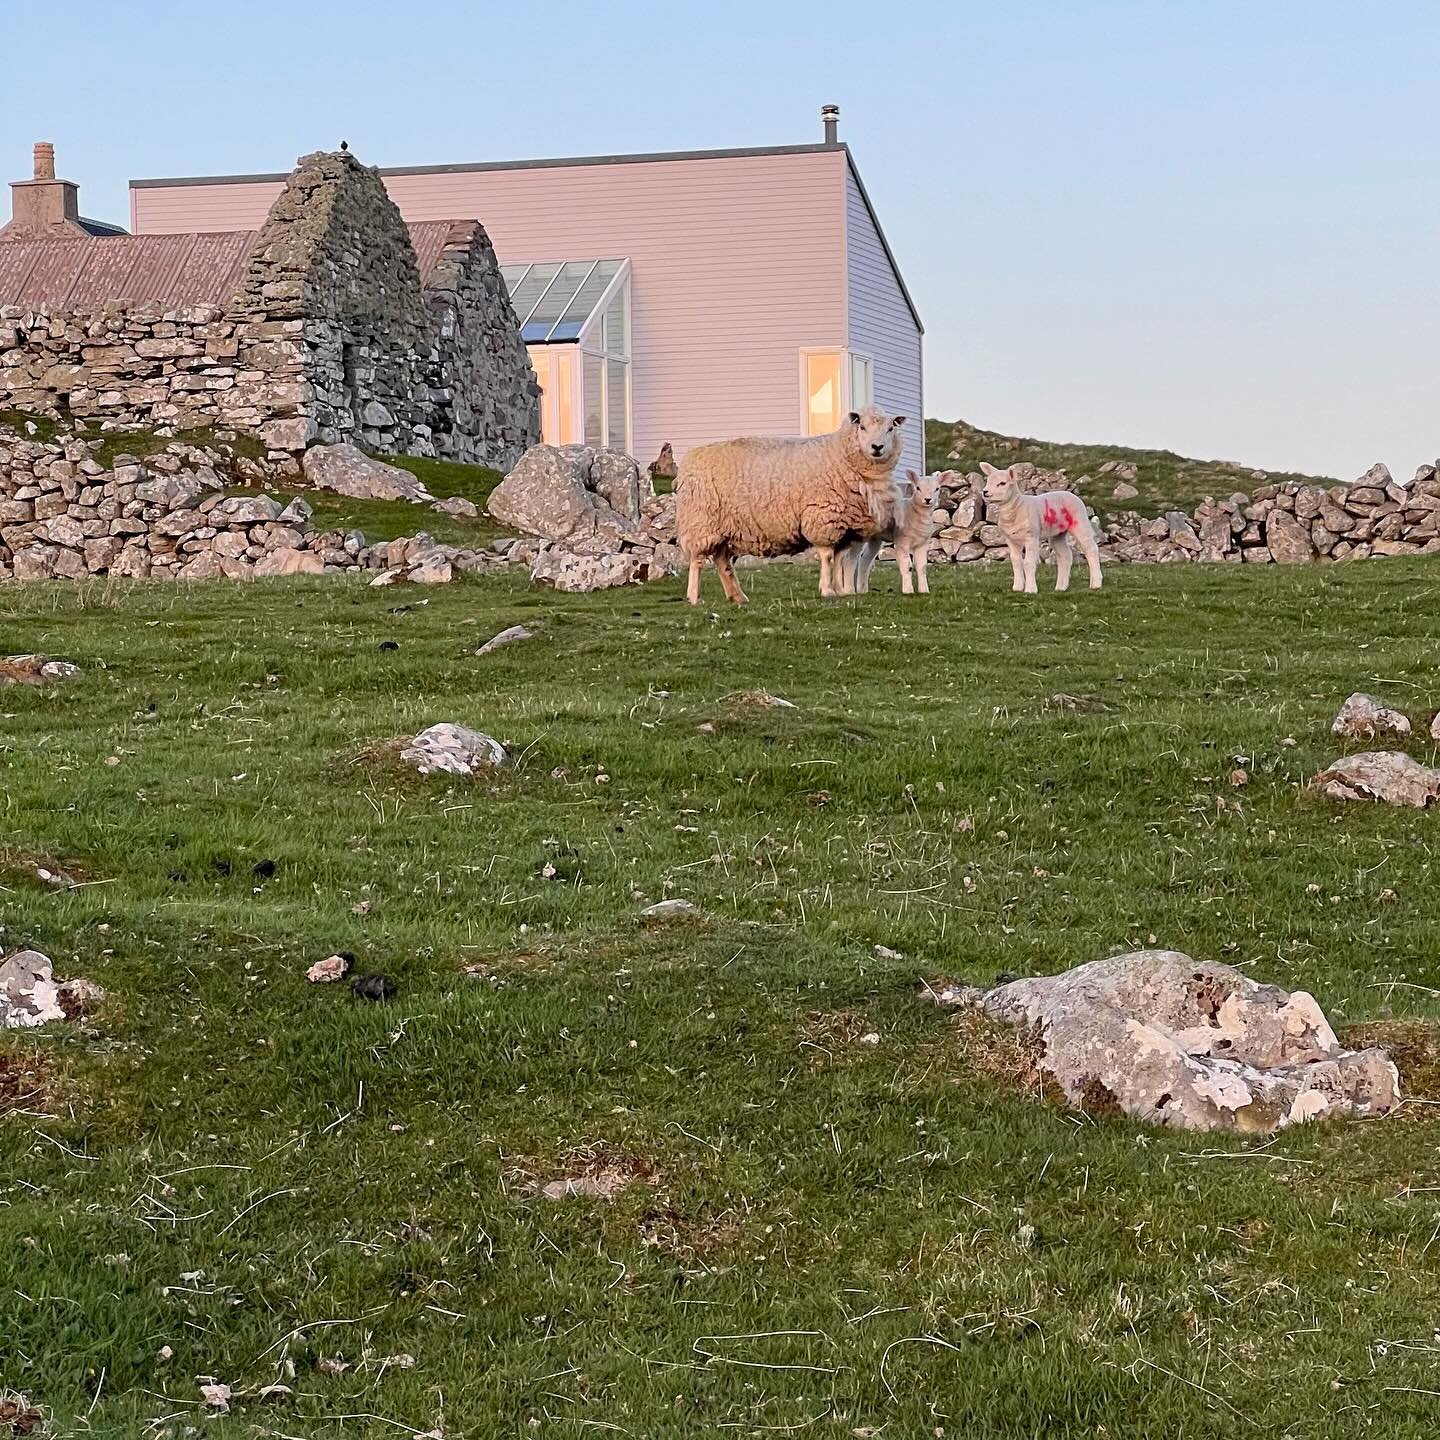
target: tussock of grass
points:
(929, 1245)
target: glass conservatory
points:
(575, 320)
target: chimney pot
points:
(830, 115)
(44, 160)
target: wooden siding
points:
(881, 325)
(738, 264)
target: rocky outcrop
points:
(1192, 1045)
(1386, 775)
(1363, 717)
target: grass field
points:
(824, 1236)
(1165, 480)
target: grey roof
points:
(573, 160)
(100, 227)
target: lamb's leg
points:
(904, 559)
(1031, 559)
(727, 578)
(1064, 558)
(692, 593)
(922, 561)
(1092, 560)
(1016, 567)
(868, 552)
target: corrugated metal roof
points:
(166, 269)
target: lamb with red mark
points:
(1028, 521)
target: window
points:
(575, 317)
(836, 382)
(823, 399)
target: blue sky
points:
(1201, 224)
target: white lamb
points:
(1027, 521)
(914, 524)
(778, 497)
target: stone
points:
(453, 749)
(30, 995)
(1192, 1045)
(1386, 775)
(298, 512)
(35, 670)
(329, 970)
(674, 909)
(279, 562)
(1289, 541)
(432, 569)
(244, 510)
(349, 471)
(569, 571)
(1363, 717)
(505, 637)
(553, 492)
(457, 506)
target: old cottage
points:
(330, 320)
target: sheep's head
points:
(875, 436)
(1000, 485)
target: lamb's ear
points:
(854, 417)
(986, 468)
(912, 477)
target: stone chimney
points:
(43, 207)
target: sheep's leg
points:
(827, 569)
(1064, 558)
(1092, 560)
(726, 571)
(1030, 559)
(868, 553)
(1016, 567)
(847, 569)
(692, 593)
(921, 559)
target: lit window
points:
(823, 399)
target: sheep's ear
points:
(986, 468)
(854, 417)
(897, 422)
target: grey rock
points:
(1386, 775)
(567, 570)
(1289, 540)
(1363, 717)
(674, 909)
(1193, 1045)
(348, 470)
(505, 637)
(554, 492)
(453, 749)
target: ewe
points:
(777, 497)
(914, 524)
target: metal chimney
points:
(830, 115)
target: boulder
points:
(348, 470)
(1192, 1045)
(454, 749)
(570, 492)
(1289, 540)
(31, 996)
(242, 510)
(567, 570)
(1387, 775)
(1363, 717)
(458, 506)
(288, 562)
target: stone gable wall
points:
(329, 337)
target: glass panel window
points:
(565, 359)
(822, 392)
(862, 381)
(593, 372)
(616, 405)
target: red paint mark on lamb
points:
(1051, 518)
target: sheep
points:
(778, 497)
(914, 524)
(1026, 520)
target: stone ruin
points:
(334, 322)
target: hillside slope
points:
(1164, 480)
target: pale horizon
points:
(1212, 233)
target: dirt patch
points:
(1011, 1054)
(1414, 1046)
(34, 670)
(379, 753)
(693, 1237)
(828, 1036)
(598, 1171)
(39, 868)
(756, 700)
(18, 1416)
(26, 1082)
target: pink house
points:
(679, 297)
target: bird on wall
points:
(344, 144)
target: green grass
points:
(258, 1173)
(1166, 481)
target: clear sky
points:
(1209, 225)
